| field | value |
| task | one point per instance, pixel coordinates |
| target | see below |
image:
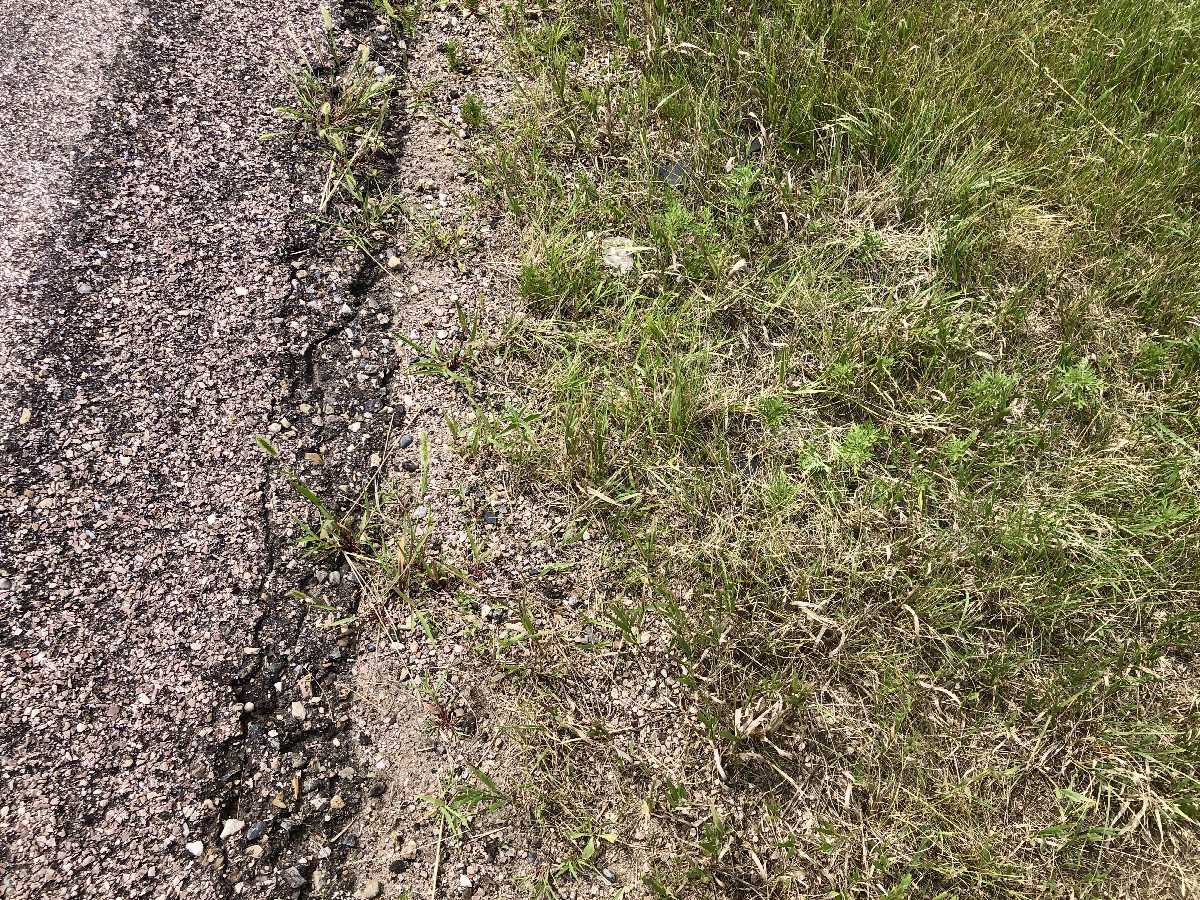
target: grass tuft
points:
(344, 100)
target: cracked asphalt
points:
(142, 222)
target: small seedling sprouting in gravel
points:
(454, 60)
(472, 112)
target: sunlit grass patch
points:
(881, 320)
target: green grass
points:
(900, 397)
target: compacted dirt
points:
(143, 224)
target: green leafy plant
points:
(1079, 386)
(472, 112)
(453, 52)
(459, 802)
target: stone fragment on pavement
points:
(231, 827)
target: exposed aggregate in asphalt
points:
(143, 344)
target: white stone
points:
(231, 827)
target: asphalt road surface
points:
(141, 221)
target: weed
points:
(459, 803)
(402, 17)
(347, 106)
(386, 554)
(472, 112)
(367, 216)
(453, 52)
(340, 100)
(1079, 386)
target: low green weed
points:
(347, 107)
(472, 112)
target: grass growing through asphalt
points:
(895, 416)
(345, 100)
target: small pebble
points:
(293, 879)
(196, 848)
(231, 827)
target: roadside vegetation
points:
(866, 337)
(345, 109)
(868, 334)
